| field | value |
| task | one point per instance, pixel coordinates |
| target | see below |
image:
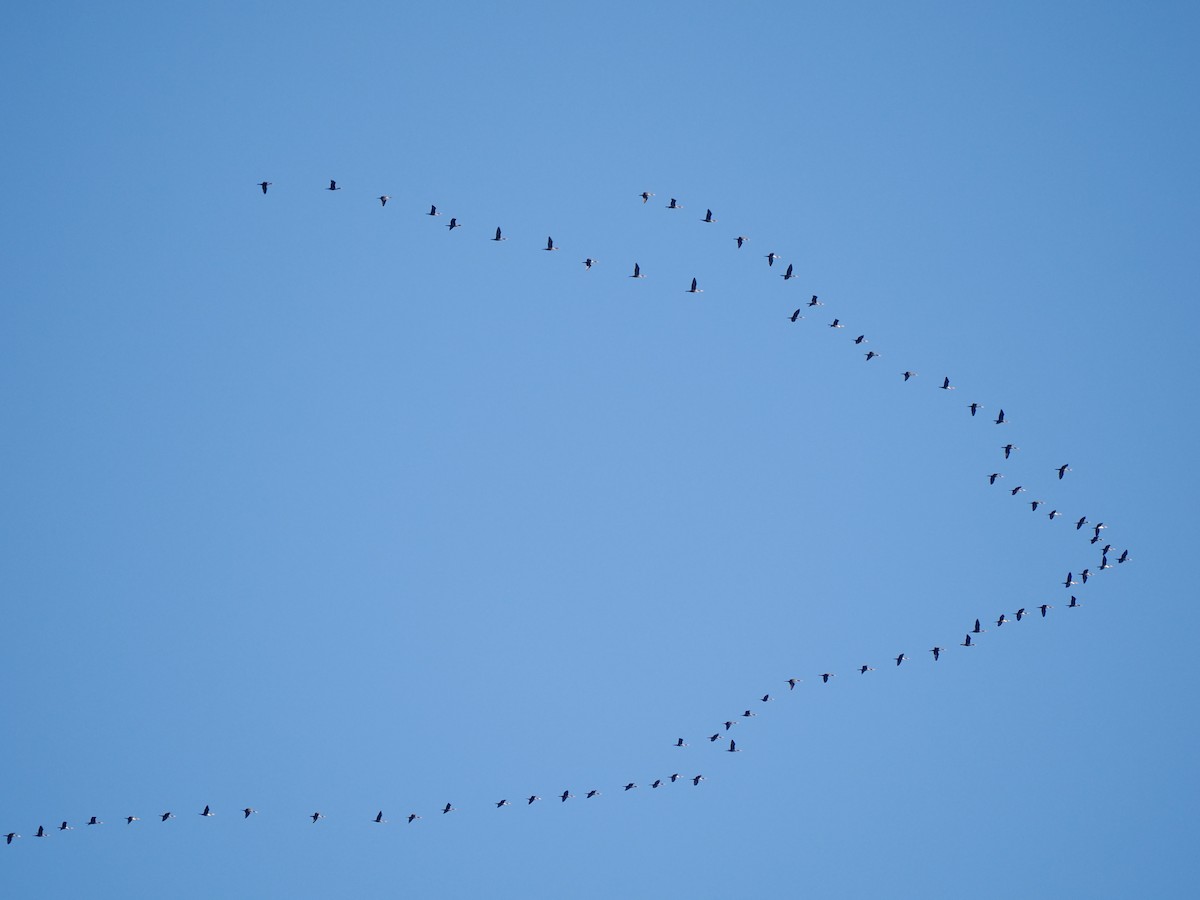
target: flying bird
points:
(94, 821)
(533, 798)
(815, 302)
(732, 747)
(908, 375)
(673, 204)
(1124, 557)
(592, 793)
(433, 211)
(871, 354)
(861, 339)
(836, 323)
(792, 682)
(901, 658)
(379, 819)
(748, 713)
(973, 407)
(696, 780)
(589, 262)
(657, 783)
(383, 199)
(771, 257)
(500, 803)
(729, 724)
(129, 820)
(967, 641)
(1083, 576)
(766, 698)
(333, 186)
(1001, 621)
(246, 813)
(316, 817)
(1074, 603)
(1082, 521)
(1020, 614)
(1063, 470)
(501, 237)
(41, 832)
(714, 737)
(1053, 513)
(264, 185)
(1034, 504)
(788, 275)
(863, 670)
(1044, 607)
(167, 815)
(1070, 580)
(65, 827)
(741, 239)
(937, 653)
(693, 289)
(550, 244)
(412, 817)
(565, 796)
(453, 224)
(825, 676)
(8, 838)
(637, 271)
(992, 478)
(207, 813)
(1008, 449)
(630, 786)
(708, 216)
(796, 315)
(978, 629)
(675, 777)
(946, 386)
(1018, 490)
(680, 743)
(1000, 418)
(646, 195)
(447, 808)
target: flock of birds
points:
(721, 733)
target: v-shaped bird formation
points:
(1075, 576)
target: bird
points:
(94, 821)
(1124, 557)
(732, 747)
(693, 289)
(1018, 490)
(1097, 528)
(1082, 521)
(861, 339)
(937, 653)
(550, 244)
(696, 780)
(673, 204)
(207, 813)
(901, 658)
(1095, 538)
(708, 216)
(501, 237)
(1063, 470)
(836, 323)
(1083, 576)
(656, 783)
(1034, 504)
(1020, 614)
(1104, 550)
(247, 812)
(412, 817)
(41, 832)
(630, 786)
(680, 743)
(383, 199)
(65, 827)
(500, 803)
(792, 682)
(741, 239)
(978, 629)
(973, 407)
(908, 375)
(789, 274)
(675, 777)
(863, 670)
(814, 301)
(1001, 621)
(766, 698)
(1000, 418)
(825, 676)
(433, 211)
(1053, 513)
(771, 257)
(729, 724)
(316, 817)
(748, 713)
(646, 195)
(589, 262)
(714, 737)
(796, 315)
(565, 796)
(167, 815)
(1008, 449)
(1074, 603)
(264, 185)
(379, 819)
(967, 641)
(1044, 607)
(871, 354)
(447, 808)
(533, 798)
(946, 386)
(592, 793)
(333, 186)
(129, 820)
(8, 838)
(453, 224)
(637, 271)
(1070, 580)
(992, 478)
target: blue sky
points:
(311, 504)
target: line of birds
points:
(969, 639)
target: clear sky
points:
(311, 504)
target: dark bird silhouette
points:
(708, 216)
(1063, 470)
(992, 478)
(1082, 521)
(247, 812)
(729, 724)
(741, 239)
(1020, 614)
(167, 815)
(65, 827)
(8, 838)
(1124, 557)
(946, 386)
(696, 780)
(1017, 490)
(1053, 513)
(825, 676)
(565, 796)
(549, 244)
(796, 315)
(861, 339)
(748, 713)
(673, 204)
(501, 237)
(592, 793)
(500, 803)
(978, 629)
(637, 271)
(732, 747)
(383, 199)
(453, 224)
(129, 820)
(379, 819)
(1074, 603)
(814, 301)
(1044, 607)
(1083, 576)
(766, 698)
(316, 817)
(646, 195)
(675, 777)
(937, 653)
(1008, 449)
(412, 817)
(789, 274)
(1000, 418)
(871, 354)
(41, 832)
(533, 798)
(206, 812)
(680, 743)
(630, 786)
(967, 642)
(974, 407)
(714, 737)
(1034, 504)
(771, 257)
(901, 658)
(1001, 621)
(333, 186)
(1070, 580)
(908, 375)
(433, 211)
(447, 808)
(656, 783)
(863, 670)
(264, 185)
(1097, 528)
(792, 682)
(94, 821)
(693, 289)
(836, 323)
